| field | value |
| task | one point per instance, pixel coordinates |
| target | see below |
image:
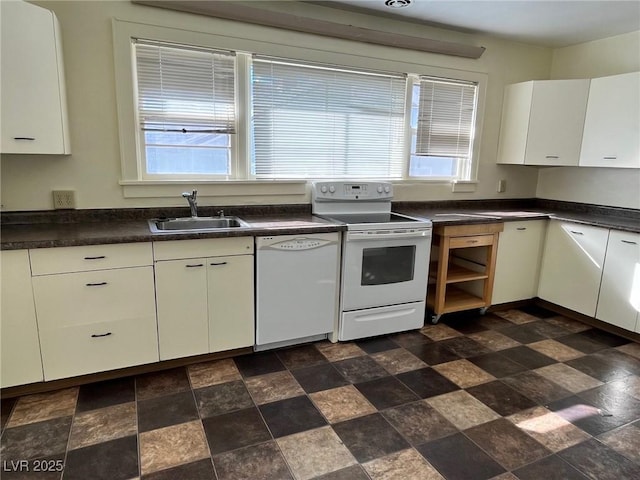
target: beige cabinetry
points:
(21, 362)
(518, 261)
(542, 122)
(612, 124)
(205, 295)
(95, 307)
(619, 300)
(33, 99)
(572, 265)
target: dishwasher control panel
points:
(300, 244)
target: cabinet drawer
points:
(206, 247)
(46, 261)
(82, 349)
(475, 241)
(86, 298)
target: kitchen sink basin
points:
(195, 224)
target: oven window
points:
(386, 265)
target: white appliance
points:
(296, 288)
(385, 261)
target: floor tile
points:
(624, 440)
(407, 339)
(439, 332)
(272, 387)
(213, 373)
(537, 311)
(370, 437)
(527, 357)
(463, 373)
(291, 416)
(198, 470)
(320, 377)
(462, 409)
(497, 365)
(35, 440)
(501, 398)
(549, 330)
(612, 401)
(360, 369)
(585, 415)
(103, 424)
(113, 460)
(257, 462)
(523, 333)
(581, 342)
(465, 322)
(343, 403)
(551, 430)
(465, 347)
(518, 317)
(632, 349)
(355, 472)
(405, 464)
(568, 377)
(599, 367)
(475, 463)
(43, 406)
(258, 364)
(433, 353)
(536, 387)
(605, 338)
(494, 340)
(600, 462)
(235, 430)
(398, 360)
(339, 351)
(419, 423)
(426, 382)
(569, 324)
(315, 452)
(549, 468)
(222, 398)
(629, 385)
(299, 357)
(620, 360)
(167, 410)
(7, 405)
(508, 445)
(386, 392)
(377, 344)
(153, 385)
(171, 446)
(493, 321)
(105, 394)
(556, 350)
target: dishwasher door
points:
(296, 286)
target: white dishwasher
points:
(296, 288)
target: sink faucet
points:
(193, 204)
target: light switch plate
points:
(502, 186)
(64, 199)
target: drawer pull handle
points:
(24, 138)
(629, 242)
(609, 158)
(472, 241)
(99, 284)
(521, 228)
(100, 257)
(217, 264)
(195, 265)
(575, 232)
(551, 156)
(98, 335)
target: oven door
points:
(382, 269)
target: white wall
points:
(602, 186)
(93, 169)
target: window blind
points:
(446, 118)
(314, 121)
(184, 89)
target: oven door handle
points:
(356, 236)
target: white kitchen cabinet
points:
(572, 265)
(518, 263)
(95, 320)
(612, 124)
(21, 360)
(204, 292)
(542, 122)
(619, 300)
(33, 98)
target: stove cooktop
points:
(363, 218)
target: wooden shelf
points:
(457, 300)
(458, 273)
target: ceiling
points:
(549, 23)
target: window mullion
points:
(241, 160)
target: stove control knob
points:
(323, 189)
(387, 189)
(379, 188)
(332, 189)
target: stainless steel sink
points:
(195, 224)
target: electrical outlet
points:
(502, 185)
(63, 199)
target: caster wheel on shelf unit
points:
(483, 310)
(435, 319)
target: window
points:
(186, 109)
(312, 121)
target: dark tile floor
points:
(518, 394)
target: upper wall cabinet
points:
(34, 112)
(612, 125)
(542, 122)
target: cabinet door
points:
(21, 361)
(518, 262)
(231, 302)
(572, 266)
(619, 300)
(33, 98)
(181, 296)
(612, 124)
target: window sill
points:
(223, 188)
